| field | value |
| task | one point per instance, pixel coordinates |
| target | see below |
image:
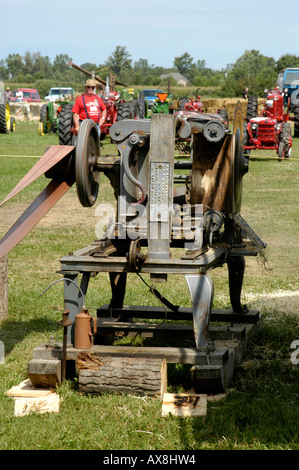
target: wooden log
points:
(129, 375)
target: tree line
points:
(252, 70)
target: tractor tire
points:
(296, 121)
(246, 152)
(43, 118)
(65, 124)
(124, 111)
(224, 114)
(12, 124)
(141, 106)
(283, 149)
(135, 109)
(182, 102)
(252, 108)
(4, 118)
(280, 150)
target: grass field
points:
(259, 412)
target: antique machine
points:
(172, 217)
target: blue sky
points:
(218, 32)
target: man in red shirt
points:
(89, 106)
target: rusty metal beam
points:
(52, 156)
(96, 77)
(33, 214)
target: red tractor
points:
(110, 100)
(271, 130)
(190, 103)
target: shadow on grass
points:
(14, 332)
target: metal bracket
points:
(201, 290)
(122, 129)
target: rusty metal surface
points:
(212, 174)
(70, 63)
(51, 157)
(33, 214)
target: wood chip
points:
(184, 404)
(26, 389)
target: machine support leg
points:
(118, 283)
(84, 283)
(73, 302)
(236, 268)
(201, 290)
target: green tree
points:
(60, 66)
(15, 64)
(248, 72)
(89, 66)
(119, 61)
(184, 64)
(42, 67)
(3, 70)
(142, 66)
(37, 66)
(287, 60)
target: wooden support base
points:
(45, 373)
(130, 369)
(29, 399)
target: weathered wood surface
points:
(217, 315)
(3, 288)
(149, 330)
(184, 404)
(171, 354)
(121, 375)
(45, 373)
(29, 399)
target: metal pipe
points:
(64, 279)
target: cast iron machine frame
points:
(160, 212)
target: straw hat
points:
(90, 82)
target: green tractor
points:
(49, 117)
(162, 104)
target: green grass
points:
(261, 409)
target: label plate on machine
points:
(159, 193)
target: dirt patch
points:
(282, 301)
(67, 212)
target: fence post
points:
(3, 288)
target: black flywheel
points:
(87, 152)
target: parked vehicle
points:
(59, 93)
(271, 130)
(29, 95)
(162, 103)
(48, 118)
(150, 96)
(288, 82)
(191, 103)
